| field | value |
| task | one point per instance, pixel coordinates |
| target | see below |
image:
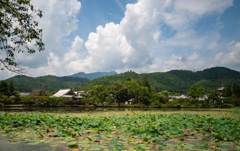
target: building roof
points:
(179, 97)
(70, 96)
(220, 89)
(203, 98)
(36, 93)
(78, 92)
(24, 93)
(62, 92)
(183, 96)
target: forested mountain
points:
(174, 81)
(94, 75)
(53, 83)
(178, 81)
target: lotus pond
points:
(128, 130)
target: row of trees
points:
(37, 100)
(8, 96)
(230, 94)
(131, 90)
(232, 91)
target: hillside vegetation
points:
(174, 81)
(94, 75)
(54, 83)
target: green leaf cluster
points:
(155, 129)
(18, 28)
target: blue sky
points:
(139, 35)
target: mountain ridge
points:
(53, 83)
(175, 80)
(93, 75)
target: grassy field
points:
(126, 130)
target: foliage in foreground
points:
(18, 29)
(131, 132)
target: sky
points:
(139, 35)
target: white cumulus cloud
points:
(129, 44)
(231, 58)
(136, 43)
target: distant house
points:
(36, 93)
(129, 101)
(82, 92)
(172, 97)
(203, 98)
(183, 97)
(78, 92)
(24, 93)
(220, 89)
(68, 94)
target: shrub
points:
(172, 104)
(139, 105)
(225, 105)
(187, 104)
(205, 105)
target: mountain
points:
(94, 75)
(178, 81)
(54, 83)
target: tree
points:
(86, 96)
(144, 95)
(17, 96)
(227, 92)
(236, 94)
(214, 96)
(163, 96)
(53, 92)
(99, 94)
(196, 93)
(27, 99)
(17, 29)
(119, 92)
(5, 99)
(128, 79)
(133, 89)
(145, 82)
(236, 90)
(4, 90)
(11, 88)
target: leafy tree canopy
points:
(17, 29)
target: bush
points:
(187, 104)
(5, 99)
(27, 99)
(205, 105)
(172, 104)
(139, 105)
(225, 105)
(156, 104)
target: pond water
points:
(94, 109)
(6, 145)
